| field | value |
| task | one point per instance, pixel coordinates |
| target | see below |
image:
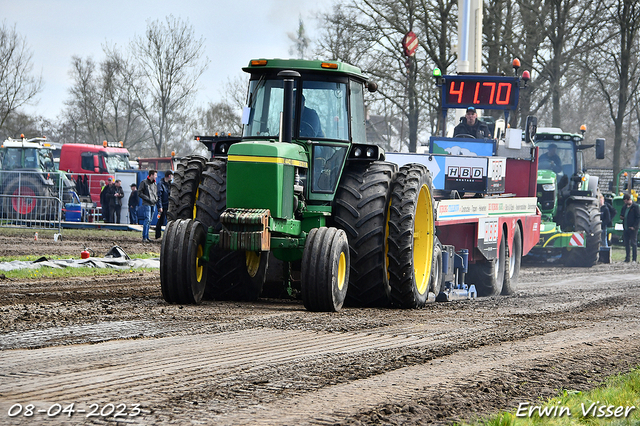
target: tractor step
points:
(245, 229)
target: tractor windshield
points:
(557, 156)
(322, 110)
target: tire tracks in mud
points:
(235, 363)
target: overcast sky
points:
(235, 31)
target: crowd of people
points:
(152, 195)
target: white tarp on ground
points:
(92, 262)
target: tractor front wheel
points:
(182, 274)
(411, 239)
(583, 217)
(325, 270)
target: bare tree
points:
(618, 83)
(369, 33)
(169, 61)
(219, 118)
(18, 86)
(82, 108)
(300, 41)
(101, 104)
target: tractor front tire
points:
(325, 270)
(488, 275)
(584, 217)
(184, 188)
(182, 274)
(233, 275)
(361, 209)
(411, 239)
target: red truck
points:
(90, 164)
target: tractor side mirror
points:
(600, 148)
(530, 129)
(371, 86)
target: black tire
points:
(30, 205)
(167, 263)
(488, 275)
(437, 275)
(513, 261)
(183, 277)
(325, 270)
(184, 188)
(583, 217)
(232, 275)
(411, 238)
(360, 209)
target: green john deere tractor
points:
(567, 198)
(300, 187)
(627, 180)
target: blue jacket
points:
(164, 189)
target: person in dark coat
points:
(630, 217)
(115, 201)
(605, 217)
(133, 202)
(164, 189)
(470, 125)
(105, 196)
(148, 193)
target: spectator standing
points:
(630, 216)
(105, 196)
(134, 200)
(103, 201)
(115, 201)
(164, 189)
(605, 217)
(148, 193)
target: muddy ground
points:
(97, 341)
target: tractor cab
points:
(31, 154)
(327, 116)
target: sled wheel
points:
(513, 264)
(488, 275)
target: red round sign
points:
(410, 43)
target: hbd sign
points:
(464, 172)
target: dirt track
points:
(272, 362)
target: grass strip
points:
(616, 402)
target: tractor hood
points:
(262, 175)
(546, 176)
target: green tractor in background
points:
(30, 182)
(567, 197)
(303, 188)
(627, 180)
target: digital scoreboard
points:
(480, 91)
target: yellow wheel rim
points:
(423, 240)
(342, 270)
(253, 262)
(194, 203)
(199, 266)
